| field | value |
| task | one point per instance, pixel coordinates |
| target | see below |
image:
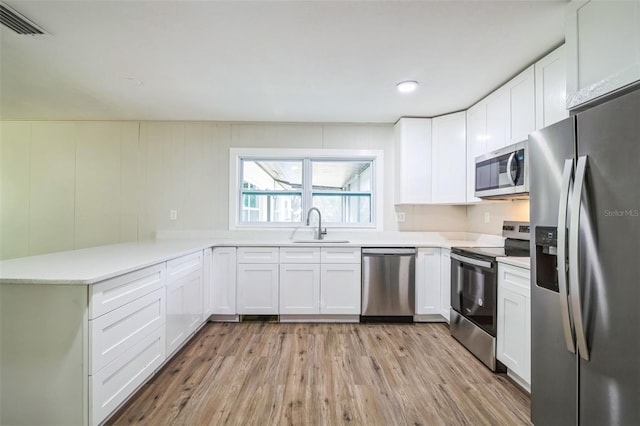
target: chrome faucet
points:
(320, 233)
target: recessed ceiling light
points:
(407, 86)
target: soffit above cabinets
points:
(311, 61)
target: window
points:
(278, 191)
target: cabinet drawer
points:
(299, 255)
(115, 332)
(519, 278)
(113, 384)
(258, 254)
(184, 265)
(110, 294)
(340, 255)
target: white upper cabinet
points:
(449, 159)
(413, 161)
(476, 144)
(522, 106)
(497, 110)
(551, 88)
(603, 48)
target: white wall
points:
(67, 185)
(498, 212)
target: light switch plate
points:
(400, 217)
(487, 217)
(173, 214)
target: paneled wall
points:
(67, 185)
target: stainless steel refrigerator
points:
(585, 250)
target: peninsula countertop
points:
(91, 265)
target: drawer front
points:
(114, 333)
(258, 254)
(340, 255)
(299, 255)
(112, 385)
(519, 278)
(116, 292)
(184, 265)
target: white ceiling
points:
(307, 61)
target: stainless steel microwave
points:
(503, 173)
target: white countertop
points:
(522, 262)
(88, 266)
(91, 265)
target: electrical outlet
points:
(487, 217)
(173, 214)
(400, 217)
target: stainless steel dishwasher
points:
(388, 282)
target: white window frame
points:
(236, 155)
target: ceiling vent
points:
(18, 23)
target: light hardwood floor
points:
(326, 374)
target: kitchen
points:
(103, 168)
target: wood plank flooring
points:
(326, 374)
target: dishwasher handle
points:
(390, 251)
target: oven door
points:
(474, 290)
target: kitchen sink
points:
(320, 241)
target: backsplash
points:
(498, 212)
(435, 218)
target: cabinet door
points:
(497, 104)
(428, 281)
(514, 329)
(551, 88)
(207, 283)
(340, 289)
(299, 288)
(445, 283)
(413, 161)
(193, 303)
(223, 292)
(258, 289)
(522, 110)
(176, 321)
(476, 144)
(603, 48)
(449, 162)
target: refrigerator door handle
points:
(574, 271)
(567, 326)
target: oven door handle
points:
(475, 262)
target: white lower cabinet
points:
(207, 283)
(328, 283)
(445, 283)
(258, 288)
(113, 384)
(184, 309)
(340, 285)
(184, 299)
(300, 289)
(223, 281)
(106, 340)
(428, 281)
(514, 322)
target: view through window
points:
(282, 190)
